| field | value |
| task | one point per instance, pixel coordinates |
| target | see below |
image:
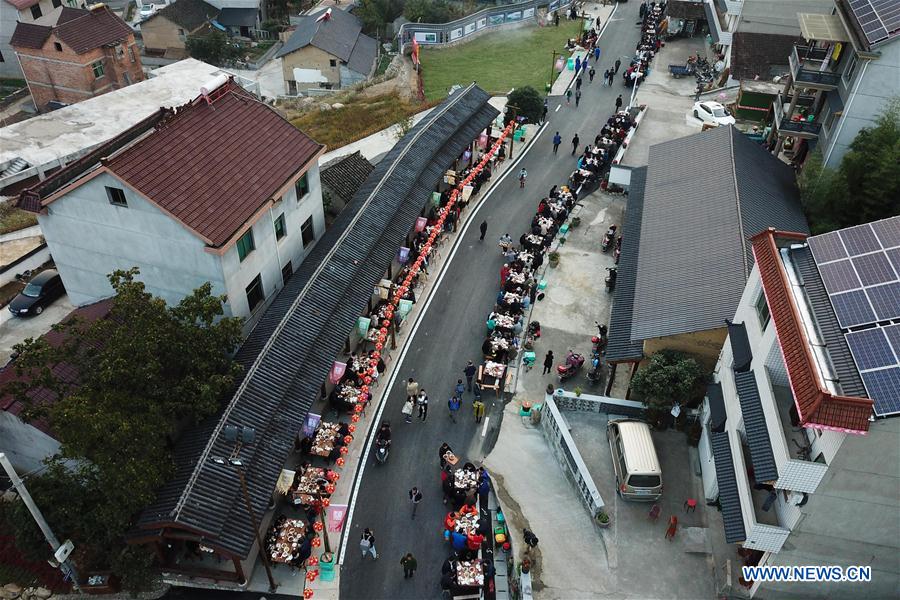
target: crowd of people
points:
(653, 26)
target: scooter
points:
(573, 364)
(611, 279)
(595, 375)
(608, 239)
(532, 334)
(599, 341)
(382, 449)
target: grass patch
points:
(384, 61)
(255, 52)
(13, 219)
(360, 117)
(497, 61)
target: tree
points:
(865, 186)
(212, 48)
(667, 378)
(377, 14)
(143, 372)
(428, 11)
(528, 103)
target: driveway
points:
(14, 330)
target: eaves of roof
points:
(729, 498)
(761, 456)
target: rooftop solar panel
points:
(839, 276)
(827, 247)
(884, 388)
(859, 239)
(888, 230)
(852, 308)
(894, 257)
(871, 349)
(874, 268)
(885, 300)
(878, 19)
(893, 336)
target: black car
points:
(40, 292)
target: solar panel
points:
(874, 268)
(888, 230)
(893, 336)
(894, 257)
(871, 349)
(839, 276)
(883, 387)
(885, 300)
(827, 247)
(852, 308)
(859, 239)
(877, 18)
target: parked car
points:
(147, 11)
(635, 463)
(712, 112)
(40, 292)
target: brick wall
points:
(58, 73)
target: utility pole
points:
(65, 566)
(553, 69)
(273, 586)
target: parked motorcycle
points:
(608, 239)
(573, 364)
(532, 334)
(599, 341)
(595, 375)
(611, 279)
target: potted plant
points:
(550, 389)
(576, 221)
(554, 259)
(578, 391)
(602, 519)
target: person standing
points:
(453, 407)
(548, 362)
(557, 140)
(478, 409)
(367, 544)
(673, 527)
(577, 98)
(422, 403)
(415, 496)
(469, 372)
(610, 77)
(409, 565)
(618, 64)
(568, 95)
(619, 103)
(591, 74)
(460, 389)
(483, 229)
(577, 64)
(578, 83)
(575, 142)
(523, 174)
(544, 110)
(407, 410)
(597, 48)
(412, 389)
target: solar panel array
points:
(860, 267)
(878, 19)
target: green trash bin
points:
(570, 64)
(326, 568)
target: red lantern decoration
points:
(364, 389)
(312, 561)
(355, 419)
(307, 594)
(376, 356)
(329, 488)
(368, 379)
(348, 439)
(358, 408)
(379, 346)
(351, 428)
(370, 370)
(335, 476)
(344, 449)
(311, 576)
(340, 461)
(316, 542)
(326, 502)
(318, 526)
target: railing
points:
(787, 126)
(823, 79)
(436, 34)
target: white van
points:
(638, 476)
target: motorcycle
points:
(595, 375)
(608, 239)
(532, 334)
(573, 364)
(382, 449)
(611, 279)
(599, 341)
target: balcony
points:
(731, 7)
(765, 529)
(807, 68)
(786, 126)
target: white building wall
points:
(9, 67)
(25, 446)
(89, 238)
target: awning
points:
(740, 347)
(755, 426)
(823, 28)
(729, 498)
(717, 414)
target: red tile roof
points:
(29, 35)
(23, 4)
(817, 407)
(81, 30)
(64, 371)
(213, 166)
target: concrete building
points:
(685, 250)
(25, 11)
(839, 80)
(220, 190)
(32, 149)
(166, 32)
(84, 53)
(800, 437)
(327, 50)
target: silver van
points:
(638, 475)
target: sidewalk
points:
(565, 78)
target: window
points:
(286, 271)
(292, 87)
(72, 3)
(762, 311)
(1, 57)
(97, 67)
(116, 196)
(307, 233)
(36, 12)
(131, 53)
(181, 33)
(255, 293)
(280, 231)
(851, 68)
(58, 46)
(120, 51)
(332, 62)
(831, 119)
(57, 3)
(245, 245)
(302, 187)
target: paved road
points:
(449, 334)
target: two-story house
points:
(840, 79)
(84, 53)
(25, 11)
(166, 32)
(800, 443)
(221, 190)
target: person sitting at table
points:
(306, 445)
(301, 554)
(468, 509)
(334, 454)
(450, 521)
(474, 541)
(458, 540)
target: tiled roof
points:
(718, 415)
(336, 35)
(362, 59)
(816, 406)
(190, 14)
(764, 469)
(235, 17)
(29, 35)
(23, 4)
(685, 9)
(694, 236)
(763, 55)
(290, 351)
(345, 174)
(94, 28)
(741, 353)
(213, 166)
(728, 491)
(620, 346)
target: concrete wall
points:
(865, 96)
(9, 65)
(159, 33)
(311, 57)
(850, 520)
(25, 446)
(704, 345)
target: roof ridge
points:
(737, 197)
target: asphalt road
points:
(450, 333)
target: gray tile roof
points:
(764, 469)
(190, 14)
(717, 413)
(345, 174)
(362, 59)
(827, 324)
(289, 353)
(728, 490)
(706, 194)
(337, 35)
(741, 353)
(236, 17)
(779, 16)
(620, 346)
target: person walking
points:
(412, 389)
(545, 110)
(577, 64)
(578, 83)
(460, 389)
(591, 74)
(422, 403)
(610, 78)
(407, 410)
(618, 64)
(673, 527)
(568, 95)
(523, 174)
(469, 372)
(453, 407)
(575, 142)
(478, 409)
(367, 544)
(415, 496)
(409, 565)
(548, 362)
(606, 77)
(577, 98)
(557, 140)
(619, 103)
(483, 228)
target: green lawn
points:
(497, 61)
